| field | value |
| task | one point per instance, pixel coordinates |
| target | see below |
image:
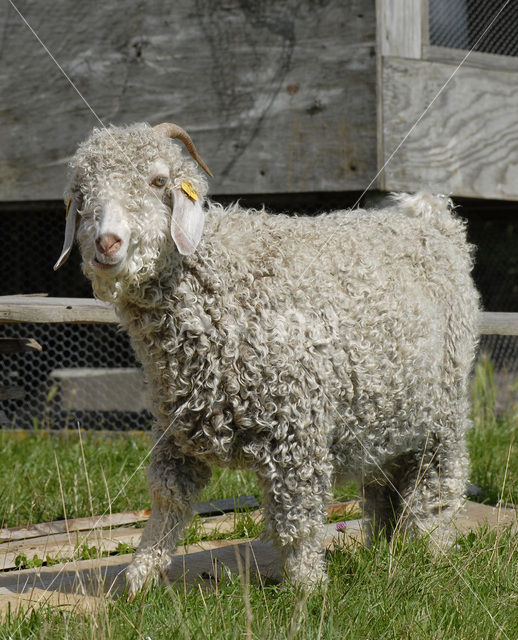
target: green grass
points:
(399, 591)
(45, 476)
(81, 473)
(382, 592)
(72, 474)
(493, 442)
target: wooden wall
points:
(279, 96)
(467, 143)
(457, 114)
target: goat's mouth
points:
(106, 265)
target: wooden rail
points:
(43, 309)
(88, 310)
(498, 323)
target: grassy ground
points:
(399, 591)
(493, 442)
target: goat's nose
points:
(108, 243)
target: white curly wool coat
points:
(303, 348)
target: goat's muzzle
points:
(108, 255)
(108, 244)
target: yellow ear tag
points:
(68, 208)
(189, 191)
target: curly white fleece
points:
(304, 348)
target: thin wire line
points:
(405, 138)
(57, 64)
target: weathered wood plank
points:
(466, 144)
(65, 546)
(87, 583)
(44, 309)
(399, 24)
(474, 515)
(74, 524)
(19, 345)
(499, 323)
(479, 59)
(206, 509)
(87, 389)
(16, 392)
(225, 505)
(278, 96)
(344, 509)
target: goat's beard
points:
(138, 282)
(106, 288)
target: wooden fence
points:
(88, 310)
(84, 388)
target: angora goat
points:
(304, 348)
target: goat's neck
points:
(170, 292)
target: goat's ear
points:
(187, 221)
(72, 220)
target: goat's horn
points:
(170, 130)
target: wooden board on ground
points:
(61, 546)
(88, 583)
(474, 515)
(225, 505)
(65, 544)
(209, 508)
(75, 524)
(63, 540)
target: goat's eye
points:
(159, 181)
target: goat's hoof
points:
(138, 575)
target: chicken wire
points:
(86, 372)
(65, 384)
(86, 375)
(459, 24)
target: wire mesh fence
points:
(459, 24)
(494, 232)
(88, 374)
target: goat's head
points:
(132, 196)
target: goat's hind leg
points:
(381, 507)
(433, 491)
(174, 485)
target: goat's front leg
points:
(296, 497)
(174, 484)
